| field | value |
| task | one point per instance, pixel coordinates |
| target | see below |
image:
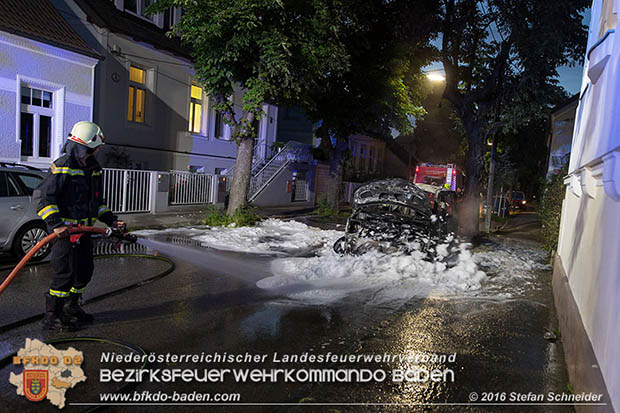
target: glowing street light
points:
(435, 77)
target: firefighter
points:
(72, 195)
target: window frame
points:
(191, 111)
(137, 86)
(37, 111)
(226, 135)
(25, 189)
(140, 9)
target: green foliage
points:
(501, 59)
(273, 50)
(244, 216)
(324, 209)
(550, 209)
(215, 217)
(277, 145)
(388, 45)
(528, 152)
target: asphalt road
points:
(210, 304)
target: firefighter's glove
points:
(62, 232)
(119, 225)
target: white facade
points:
(57, 88)
(589, 244)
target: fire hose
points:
(108, 232)
(118, 236)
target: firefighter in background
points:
(72, 195)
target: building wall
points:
(589, 243)
(163, 140)
(368, 154)
(69, 76)
(277, 192)
(294, 125)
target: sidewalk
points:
(194, 215)
(147, 220)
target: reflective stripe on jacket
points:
(72, 194)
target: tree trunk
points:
(490, 200)
(334, 179)
(334, 183)
(470, 213)
(241, 177)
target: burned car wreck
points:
(395, 215)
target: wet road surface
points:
(210, 304)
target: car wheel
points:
(29, 236)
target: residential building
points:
(152, 111)
(586, 277)
(377, 158)
(47, 77)
(294, 125)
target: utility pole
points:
(487, 218)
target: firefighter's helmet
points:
(87, 134)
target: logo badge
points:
(36, 384)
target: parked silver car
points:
(20, 226)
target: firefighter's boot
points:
(74, 309)
(55, 318)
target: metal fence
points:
(127, 190)
(188, 188)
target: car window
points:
(4, 190)
(30, 181)
(8, 187)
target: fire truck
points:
(446, 176)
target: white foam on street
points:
(384, 279)
(270, 236)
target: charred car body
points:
(393, 215)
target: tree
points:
(501, 58)
(528, 152)
(273, 50)
(438, 136)
(388, 44)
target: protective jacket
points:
(72, 194)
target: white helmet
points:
(87, 134)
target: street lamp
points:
(435, 77)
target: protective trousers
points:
(72, 265)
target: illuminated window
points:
(137, 94)
(609, 20)
(195, 109)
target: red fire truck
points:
(446, 176)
